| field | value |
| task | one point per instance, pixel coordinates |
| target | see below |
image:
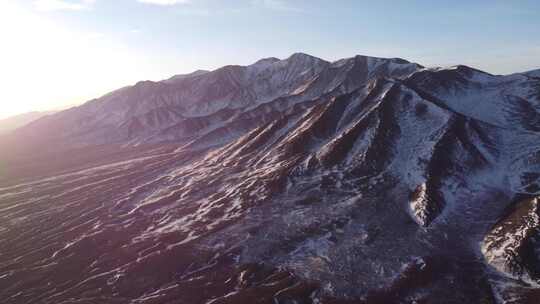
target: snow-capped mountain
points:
(223, 103)
(506, 101)
(364, 180)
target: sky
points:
(59, 53)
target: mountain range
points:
(364, 180)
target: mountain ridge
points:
(15, 122)
(168, 103)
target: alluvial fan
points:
(365, 180)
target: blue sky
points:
(82, 49)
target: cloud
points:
(164, 2)
(63, 5)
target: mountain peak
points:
(303, 56)
(468, 69)
(192, 74)
(460, 68)
(400, 60)
(268, 60)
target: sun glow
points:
(44, 66)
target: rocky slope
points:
(365, 180)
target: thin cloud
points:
(63, 5)
(278, 5)
(187, 10)
(95, 35)
(164, 2)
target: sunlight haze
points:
(60, 53)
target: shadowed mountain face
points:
(365, 180)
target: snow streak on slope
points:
(511, 101)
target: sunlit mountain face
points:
(364, 180)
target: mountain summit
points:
(364, 180)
